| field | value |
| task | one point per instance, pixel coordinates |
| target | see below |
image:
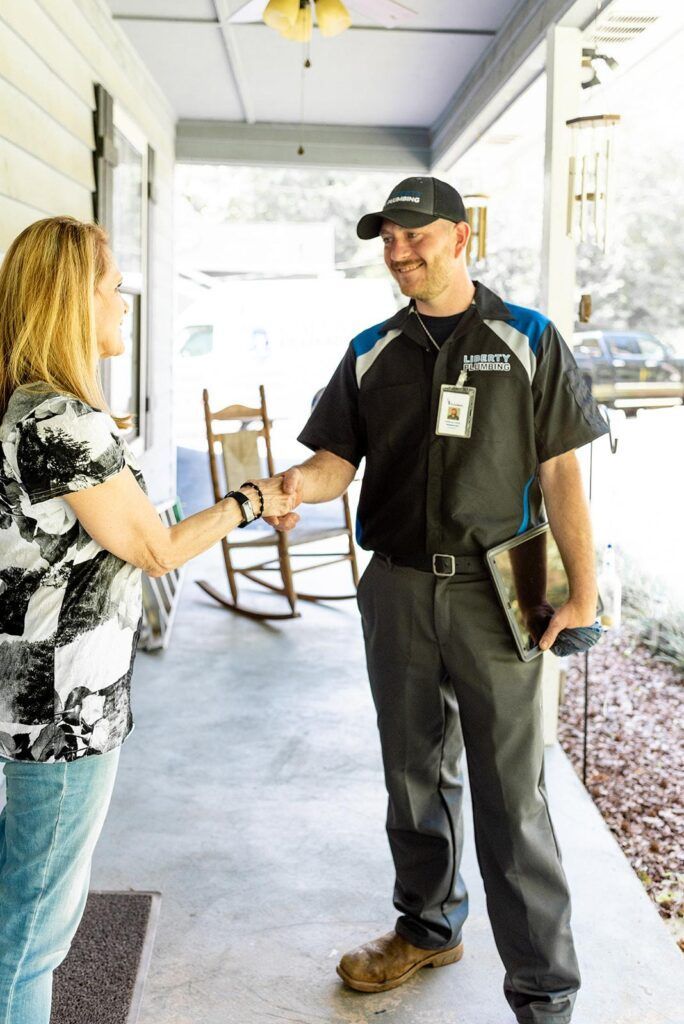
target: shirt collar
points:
(487, 303)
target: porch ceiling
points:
(373, 97)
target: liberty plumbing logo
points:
(488, 361)
(405, 197)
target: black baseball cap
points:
(413, 203)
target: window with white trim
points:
(128, 233)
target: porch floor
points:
(251, 795)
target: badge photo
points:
(455, 414)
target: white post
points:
(563, 93)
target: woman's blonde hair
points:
(47, 317)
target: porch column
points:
(563, 94)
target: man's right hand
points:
(278, 502)
(537, 617)
(292, 484)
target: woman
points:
(76, 529)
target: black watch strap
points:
(245, 507)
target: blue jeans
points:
(48, 830)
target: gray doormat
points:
(101, 981)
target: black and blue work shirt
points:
(425, 493)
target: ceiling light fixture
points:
(300, 30)
(332, 17)
(589, 76)
(293, 19)
(281, 14)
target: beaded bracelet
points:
(250, 483)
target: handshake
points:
(282, 494)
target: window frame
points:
(616, 352)
(581, 346)
(660, 354)
(130, 129)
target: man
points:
(468, 410)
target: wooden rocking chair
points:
(240, 457)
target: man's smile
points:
(408, 268)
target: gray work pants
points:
(444, 674)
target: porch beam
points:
(403, 29)
(223, 12)
(370, 148)
(510, 64)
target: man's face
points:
(421, 260)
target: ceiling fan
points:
(293, 19)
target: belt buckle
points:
(440, 569)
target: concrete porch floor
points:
(251, 795)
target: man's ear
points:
(461, 236)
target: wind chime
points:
(590, 177)
(476, 215)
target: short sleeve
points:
(334, 424)
(565, 414)
(64, 445)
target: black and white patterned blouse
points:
(69, 610)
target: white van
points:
(288, 335)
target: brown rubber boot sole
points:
(440, 958)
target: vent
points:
(622, 28)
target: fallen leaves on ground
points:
(635, 761)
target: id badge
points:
(455, 413)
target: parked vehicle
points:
(287, 334)
(628, 369)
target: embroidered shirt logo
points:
(488, 361)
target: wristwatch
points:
(246, 509)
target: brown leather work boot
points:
(390, 961)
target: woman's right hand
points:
(276, 502)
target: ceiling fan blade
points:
(250, 12)
(388, 13)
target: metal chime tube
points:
(606, 199)
(572, 176)
(583, 196)
(598, 194)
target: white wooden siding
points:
(30, 73)
(15, 216)
(52, 52)
(25, 124)
(49, 41)
(115, 63)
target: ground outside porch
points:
(251, 795)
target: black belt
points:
(438, 565)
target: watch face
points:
(246, 509)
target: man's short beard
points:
(426, 293)
(437, 281)
(430, 290)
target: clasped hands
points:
(282, 494)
